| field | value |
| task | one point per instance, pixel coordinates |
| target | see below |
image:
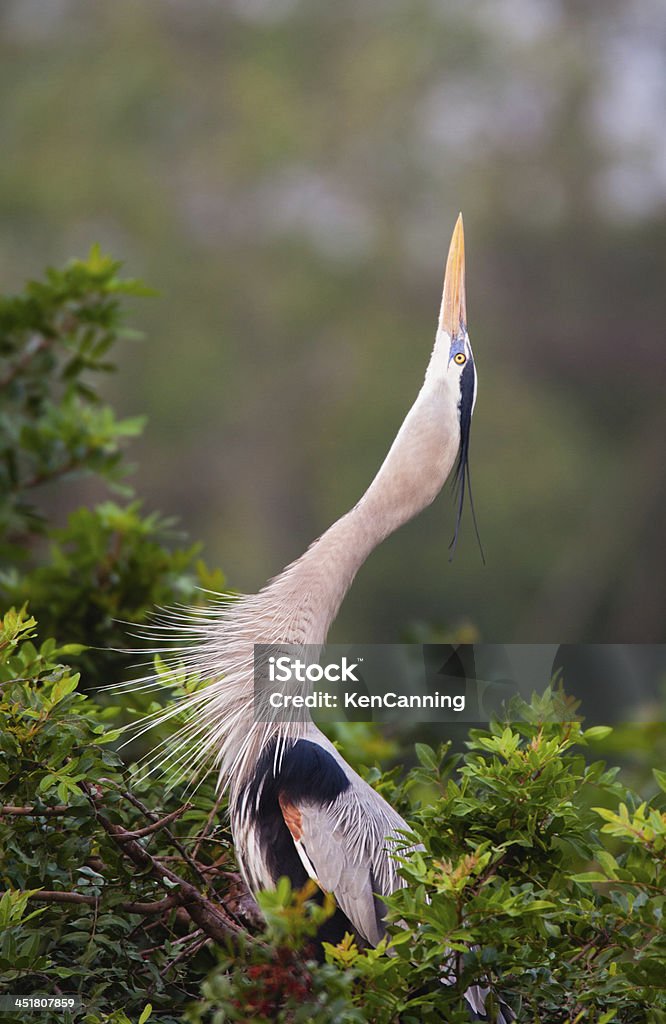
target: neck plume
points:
(215, 644)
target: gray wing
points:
(346, 847)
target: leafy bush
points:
(109, 562)
(542, 873)
(75, 916)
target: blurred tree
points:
(110, 564)
(541, 872)
(287, 173)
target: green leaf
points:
(70, 649)
(148, 1009)
(63, 687)
(426, 756)
(597, 732)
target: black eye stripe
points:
(461, 479)
(466, 402)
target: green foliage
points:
(111, 562)
(54, 339)
(564, 911)
(541, 871)
(526, 880)
(54, 746)
(107, 567)
(272, 981)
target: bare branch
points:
(45, 896)
(209, 916)
(155, 827)
(36, 343)
(145, 909)
(208, 827)
(42, 812)
(176, 842)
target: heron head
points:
(460, 368)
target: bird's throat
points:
(411, 476)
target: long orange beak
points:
(453, 314)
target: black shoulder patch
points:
(310, 773)
(306, 772)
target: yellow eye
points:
(460, 358)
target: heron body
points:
(296, 807)
(317, 818)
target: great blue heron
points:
(296, 807)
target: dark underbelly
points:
(307, 771)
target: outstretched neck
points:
(217, 643)
(410, 477)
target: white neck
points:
(412, 474)
(299, 605)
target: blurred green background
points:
(288, 174)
